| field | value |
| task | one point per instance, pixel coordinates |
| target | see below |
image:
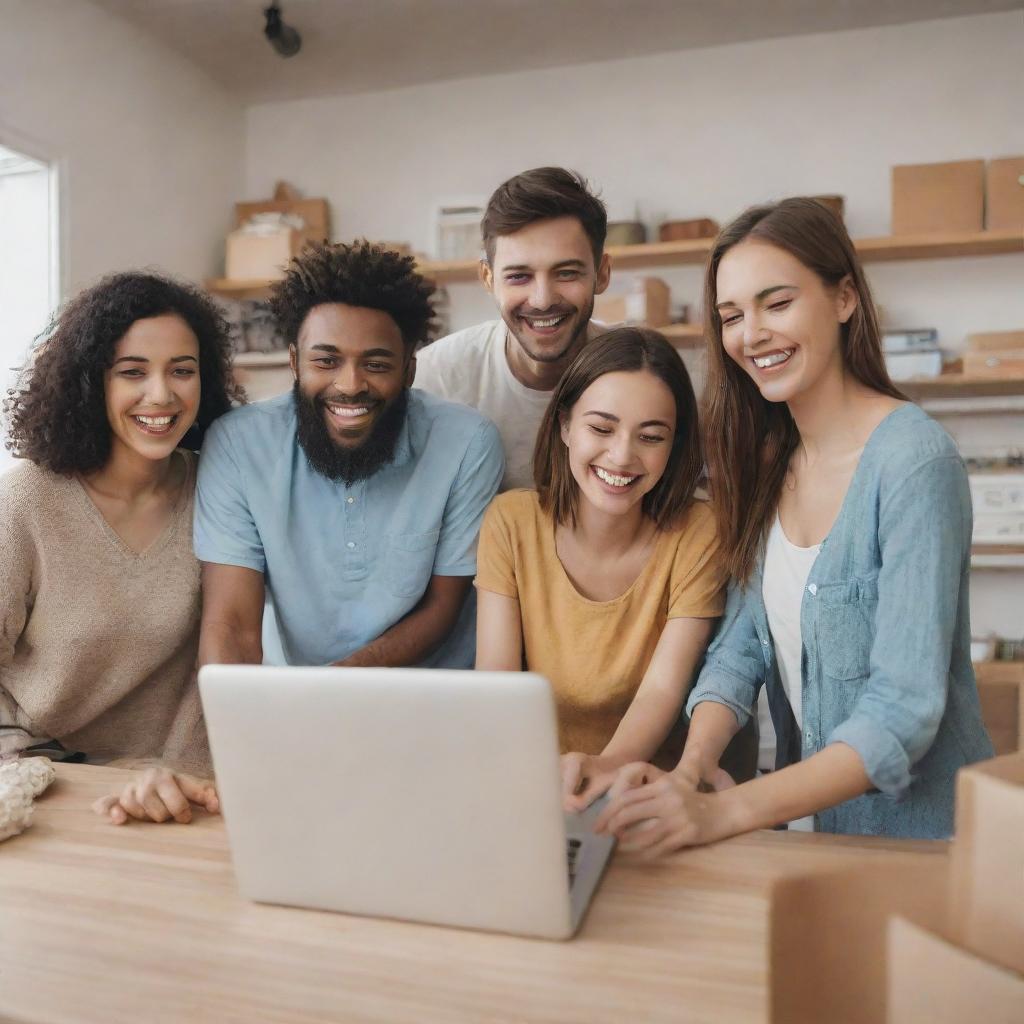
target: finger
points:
(572, 769)
(672, 841)
(630, 814)
(644, 836)
(130, 804)
(169, 791)
(109, 807)
(200, 791)
(595, 786)
(149, 797)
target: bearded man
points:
(353, 502)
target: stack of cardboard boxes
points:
(941, 942)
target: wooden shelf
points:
(958, 385)
(683, 335)
(940, 245)
(997, 549)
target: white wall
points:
(150, 149)
(697, 133)
(700, 132)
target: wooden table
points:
(143, 924)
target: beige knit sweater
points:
(97, 643)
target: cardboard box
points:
(686, 230)
(645, 304)
(1002, 704)
(253, 257)
(931, 979)
(313, 212)
(1007, 363)
(1004, 194)
(827, 935)
(995, 341)
(929, 198)
(986, 870)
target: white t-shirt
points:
(470, 367)
(786, 568)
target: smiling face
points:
(780, 322)
(544, 281)
(152, 389)
(352, 374)
(619, 438)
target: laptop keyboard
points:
(573, 851)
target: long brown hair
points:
(624, 349)
(749, 441)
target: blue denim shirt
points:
(885, 623)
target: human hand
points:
(158, 794)
(654, 813)
(585, 777)
(704, 776)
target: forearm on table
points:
(830, 777)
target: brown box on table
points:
(938, 197)
(1004, 194)
(931, 979)
(986, 869)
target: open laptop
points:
(426, 795)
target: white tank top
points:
(786, 568)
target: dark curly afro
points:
(56, 414)
(360, 274)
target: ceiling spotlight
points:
(283, 38)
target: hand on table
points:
(585, 777)
(158, 794)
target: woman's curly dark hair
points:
(359, 274)
(56, 414)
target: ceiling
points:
(352, 46)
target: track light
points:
(283, 38)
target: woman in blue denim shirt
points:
(846, 516)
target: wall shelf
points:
(256, 360)
(939, 245)
(959, 385)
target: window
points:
(29, 286)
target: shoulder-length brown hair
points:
(624, 349)
(749, 440)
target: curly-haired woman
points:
(100, 602)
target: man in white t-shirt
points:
(543, 234)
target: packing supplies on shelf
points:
(910, 339)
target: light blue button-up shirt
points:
(343, 564)
(885, 626)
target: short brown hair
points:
(624, 349)
(543, 194)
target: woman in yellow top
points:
(607, 579)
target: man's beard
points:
(515, 326)
(348, 464)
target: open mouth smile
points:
(545, 324)
(773, 359)
(156, 425)
(347, 413)
(616, 482)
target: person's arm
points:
(649, 717)
(668, 813)
(421, 632)
(232, 625)
(499, 632)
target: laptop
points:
(419, 794)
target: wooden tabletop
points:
(143, 924)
